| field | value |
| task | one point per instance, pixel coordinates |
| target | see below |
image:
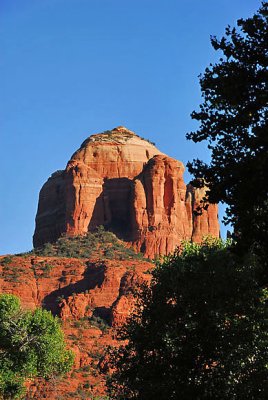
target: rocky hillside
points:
(122, 181)
(85, 275)
(89, 283)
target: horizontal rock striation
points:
(123, 182)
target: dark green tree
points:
(31, 345)
(200, 332)
(233, 121)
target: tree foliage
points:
(233, 120)
(31, 345)
(200, 331)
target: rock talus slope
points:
(122, 181)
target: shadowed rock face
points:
(123, 182)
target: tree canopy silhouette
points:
(233, 120)
(199, 333)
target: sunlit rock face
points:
(78, 291)
(122, 181)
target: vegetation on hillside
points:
(99, 244)
(125, 135)
(31, 345)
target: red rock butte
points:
(122, 181)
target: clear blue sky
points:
(70, 68)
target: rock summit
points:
(122, 181)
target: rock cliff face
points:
(91, 296)
(123, 182)
(75, 288)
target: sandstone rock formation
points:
(123, 182)
(82, 292)
(75, 288)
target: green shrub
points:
(11, 273)
(101, 243)
(31, 345)
(59, 299)
(99, 322)
(6, 260)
